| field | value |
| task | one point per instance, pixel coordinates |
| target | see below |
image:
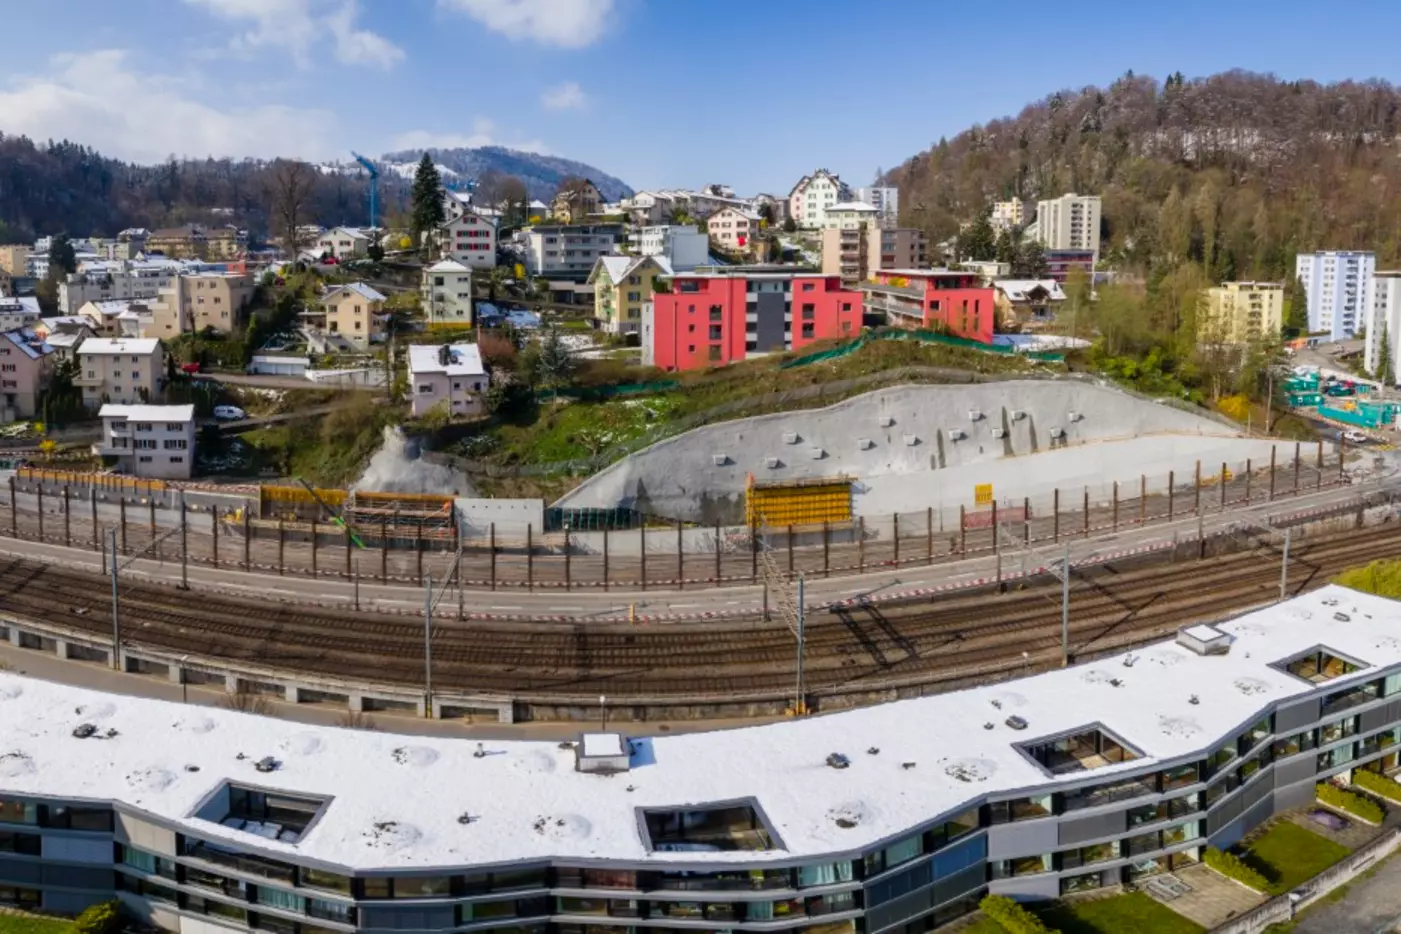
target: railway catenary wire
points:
(858, 649)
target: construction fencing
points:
(656, 556)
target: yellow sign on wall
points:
(982, 494)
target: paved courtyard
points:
(1209, 898)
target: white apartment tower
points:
(885, 199)
(813, 195)
(1384, 314)
(1338, 284)
(1070, 222)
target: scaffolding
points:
(781, 503)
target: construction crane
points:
(335, 516)
(374, 186)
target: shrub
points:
(1350, 801)
(1230, 866)
(1013, 917)
(1377, 784)
(102, 918)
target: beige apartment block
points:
(197, 301)
(355, 313)
(128, 371)
(1238, 312)
(854, 254)
(14, 258)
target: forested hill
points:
(53, 187)
(1233, 173)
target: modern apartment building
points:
(20, 312)
(1338, 284)
(351, 315)
(1061, 263)
(187, 242)
(343, 243)
(1011, 215)
(1070, 222)
(447, 376)
(470, 239)
(569, 252)
(682, 246)
(26, 363)
(1384, 319)
(193, 303)
(622, 286)
(151, 441)
(813, 195)
(850, 215)
(127, 371)
(884, 198)
(949, 300)
(1082, 778)
(446, 294)
(721, 315)
(854, 253)
(118, 280)
(1239, 312)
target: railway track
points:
(850, 651)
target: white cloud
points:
(566, 96)
(100, 100)
(303, 27)
(483, 134)
(570, 24)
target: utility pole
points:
(1284, 567)
(792, 611)
(116, 616)
(428, 644)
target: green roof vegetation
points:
(1287, 855)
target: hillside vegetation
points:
(1235, 172)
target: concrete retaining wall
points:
(928, 434)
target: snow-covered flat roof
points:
(148, 413)
(131, 345)
(395, 801)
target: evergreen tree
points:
(427, 211)
(1031, 261)
(1297, 321)
(1386, 367)
(977, 241)
(1006, 246)
(62, 259)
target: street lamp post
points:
(184, 681)
(602, 712)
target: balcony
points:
(82, 379)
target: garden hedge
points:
(1351, 801)
(1230, 866)
(1013, 917)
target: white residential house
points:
(734, 229)
(18, 312)
(470, 239)
(446, 290)
(682, 246)
(1339, 285)
(884, 198)
(156, 442)
(127, 371)
(449, 375)
(813, 195)
(344, 243)
(851, 215)
(568, 251)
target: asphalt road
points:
(1370, 907)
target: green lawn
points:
(32, 924)
(1288, 855)
(983, 926)
(1134, 912)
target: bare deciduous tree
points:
(290, 190)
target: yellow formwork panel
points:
(800, 502)
(82, 478)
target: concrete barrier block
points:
(720, 460)
(817, 453)
(999, 432)
(887, 420)
(772, 462)
(957, 434)
(865, 444)
(790, 437)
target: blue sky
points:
(660, 93)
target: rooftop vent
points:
(267, 764)
(999, 432)
(790, 437)
(1076, 416)
(911, 440)
(887, 420)
(1018, 415)
(818, 453)
(720, 460)
(772, 462)
(1204, 639)
(956, 434)
(84, 730)
(601, 753)
(838, 761)
(975, 415)
(865, 444)
(1057, 433)
(1016, 722)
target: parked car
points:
(229, 413)
(1355, 437)
(189, 368)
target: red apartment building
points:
(720, 316)
(940, 299)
